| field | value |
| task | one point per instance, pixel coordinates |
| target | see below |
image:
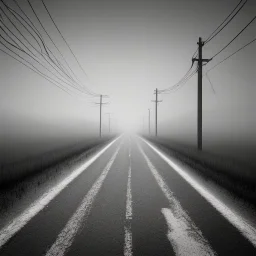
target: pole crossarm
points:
(203, 60)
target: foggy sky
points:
(128, 48)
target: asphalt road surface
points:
(129, 199)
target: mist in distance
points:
(129, 48)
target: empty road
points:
(129, 199)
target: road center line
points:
(21, 220)
(128, 215)
(183, 234)
(235, 219)
(67, 235)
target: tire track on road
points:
(183, 234)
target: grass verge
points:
(235, 176)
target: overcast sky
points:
(128, 48)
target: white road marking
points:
(183, 234)
(21, 220)
(129, 197)
(67, 235)
(127, 228)
(235, 219)
(128, 231)
(128, 242)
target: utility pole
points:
(149, 121)
(108, 121)
(101, 103)
(200, 62)
(156, 92)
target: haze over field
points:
(129, 48)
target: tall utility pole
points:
(200, 62)
(156, 92)
(108, 121)
(149, 121)
(101, 103)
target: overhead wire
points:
(188, 75)
(65, 40)
(37, 32)
(29, 51)
(40, 53)
(181, 84)
(40, 38)
(241, 48)
(38, 59)
(248, 24)
(30, 21)
(34, 69)
(44, 55)
(32, 8)
(180, 81)
(59, 66)
(219, 28)
(18, 47)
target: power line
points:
(18, 32)
(186, 77)
(32, 24)
(65, 40)
(58, 64)
(24, 51)
(55, 44)
(41, 39)
(15, 14)
(232, 54)
(234, 37)
(34, 70)
(48, 34)
(180, 85)
(195, 53)
(183, 78)
(209, 80)
(40, 53)
(213, 34)
(34, 28)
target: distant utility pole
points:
(101, 103)
(200, 62)
(108, 121)
(156, 92)
(149, 121)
